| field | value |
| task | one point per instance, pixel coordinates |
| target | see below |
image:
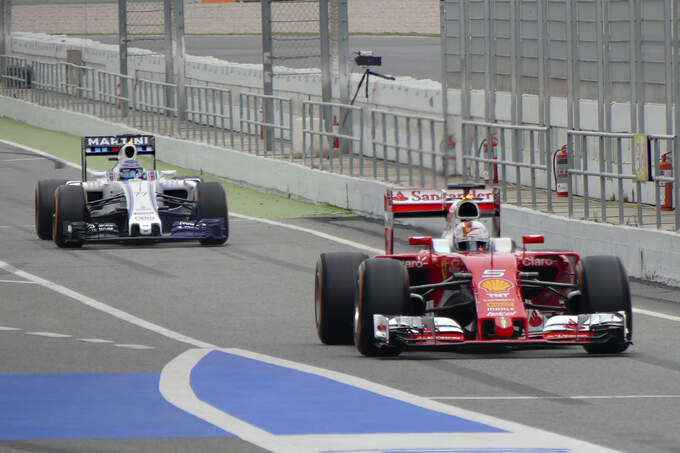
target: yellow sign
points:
(641, 158)
(495, 285)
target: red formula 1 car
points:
(469, 287)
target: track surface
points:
(256, 294)
(417, 57)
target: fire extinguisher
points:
(336, 130)
(261, 118)
(561, 171)
(485, 145)
(666, 168)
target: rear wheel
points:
(69, 206)
(382, 288)
(604, 289)
(334, 283)
(212, 204)
(44, 206)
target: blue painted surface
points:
(290, 402)
(92, 406)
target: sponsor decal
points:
(493, 273)
(535, 320)
(531, 261)
(496, 285)
(418, 195)
(399, 197)
(497, 305)
(113, 141)
(445, 269)
(418, 263)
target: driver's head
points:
(470, 236)
(130, 169)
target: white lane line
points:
(656, 314)
(175, 386)
(133, 346)
(95, 340)
(25, 158)
(319, 234)
(49, 334)
(575, 397)
(40, 153)
(17, 281)
(90, 302)
(8, 329)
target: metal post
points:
(179, 59)
(676, 98)
(633, 24)
(445, 101)
(5, 27)
(170, 46)
(344, 78)
(490, 73)
(464, 60)
(123, 55)
(326, 89)
(267, 72)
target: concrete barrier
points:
(648, 254)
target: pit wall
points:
(648, 254)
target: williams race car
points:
(468, 288)
(129, 203)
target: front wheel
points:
(69, 206)
(44, 206)
(212, 204)
(382, 288)
(604, 287)
(334, 282)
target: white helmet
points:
(470, 236)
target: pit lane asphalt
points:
(256, 293)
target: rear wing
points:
(110, 145)
(412, 202)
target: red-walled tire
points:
(334, 282)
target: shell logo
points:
(495, 284)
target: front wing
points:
(440, 331)
(108, 233)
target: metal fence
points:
(615, 181)
(605, 50)
(255, 125)
(394, 147)
(517, 155)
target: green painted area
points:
(242, 200)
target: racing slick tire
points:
(69, 206)
(604, 287)
(44, 206)
(382, 288)
(334, 282)
(212, 204)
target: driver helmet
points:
(470, 236)
(130, 169)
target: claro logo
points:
(531, 261)
(418, 263)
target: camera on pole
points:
(366, 59)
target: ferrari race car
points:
(129, 203)
(468, 287)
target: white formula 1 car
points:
(129, 203)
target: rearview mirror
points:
(533, 239)
(420, 240)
